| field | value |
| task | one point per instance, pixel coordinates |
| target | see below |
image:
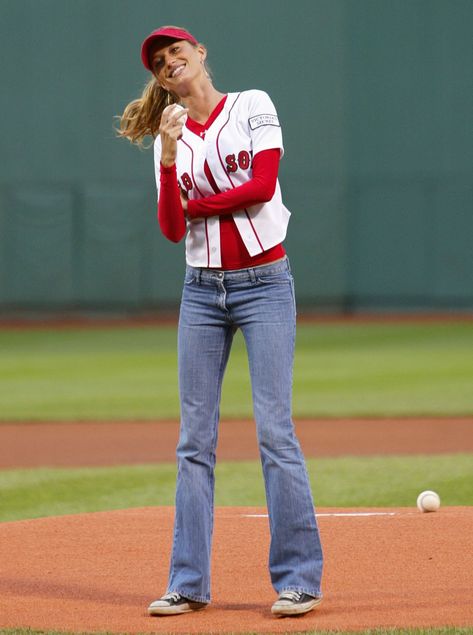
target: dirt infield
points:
(95, 444)
(97, 572)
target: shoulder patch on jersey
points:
(263, 120)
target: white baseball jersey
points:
(221, 160)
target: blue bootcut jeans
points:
(259, 301)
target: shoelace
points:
(172, 596)
(294, 596)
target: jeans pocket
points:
(282, 277)
(189, 278)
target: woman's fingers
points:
(184, 199)
(173, 120)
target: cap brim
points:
(174, 35)
(152, 42)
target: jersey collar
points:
(200, 128)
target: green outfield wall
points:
(376, 102)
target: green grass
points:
(341, 370)
(341, 482)
(449, 630)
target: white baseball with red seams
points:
(247, 124)
(428, 501)
(173, 109)
(170, 110)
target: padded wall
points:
(375, 98)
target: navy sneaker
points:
(294, 603)
(174, 604)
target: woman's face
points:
(176, 64)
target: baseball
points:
(176, 107)
(428, 501)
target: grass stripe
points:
(340, 482)
(340, 370)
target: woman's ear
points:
(203, 53)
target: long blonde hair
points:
(142, 116)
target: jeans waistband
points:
(203, 274)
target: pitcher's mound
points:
(98, 572)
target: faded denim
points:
(260, 302)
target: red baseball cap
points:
(171, 32)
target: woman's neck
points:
(202, 102)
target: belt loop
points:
(199, 276)
(252, 274)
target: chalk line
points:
(338, 514)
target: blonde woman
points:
(216, 160)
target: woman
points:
(216, 165)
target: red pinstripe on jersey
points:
(228, 175)
(210, 178)
(207, 243)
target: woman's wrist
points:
(168, 151)
(190, 211)
(168, 162)
(168, 169)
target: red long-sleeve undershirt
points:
(259, 189)
(171, 217)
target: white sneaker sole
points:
(287, 609)
(174, 610)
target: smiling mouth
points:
(177, 71)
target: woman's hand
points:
(170, 130)
(184, 199)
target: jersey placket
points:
(204, 188)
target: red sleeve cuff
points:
(167, 169)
